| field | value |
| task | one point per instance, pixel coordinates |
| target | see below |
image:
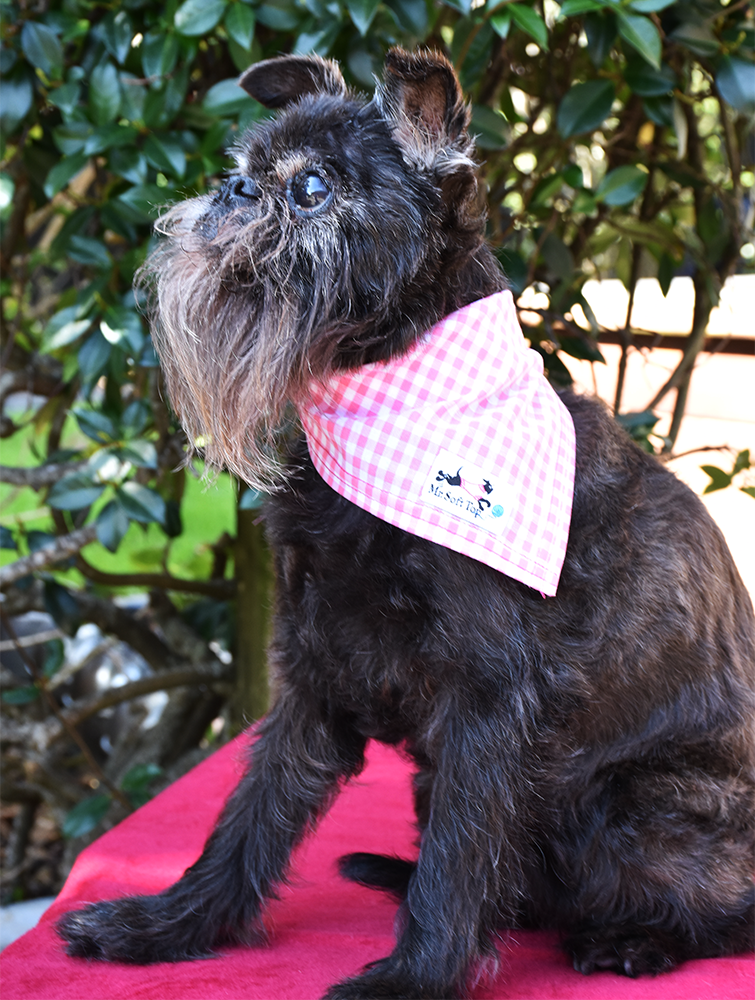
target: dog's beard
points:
(233, 349)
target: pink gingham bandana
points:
(461, 441)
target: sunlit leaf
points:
(197, 17)
(239, 23)
(622, 185)
(640, 32)
(719, 479)
(529, 21)
(74, 492)
(735, 80)
(42, 48)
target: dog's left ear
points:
(278, 82)
(421, 93)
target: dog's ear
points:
(422, 94)
(277, 82)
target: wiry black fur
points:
(583, 762)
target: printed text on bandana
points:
(468, 492)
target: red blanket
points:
(322, 928)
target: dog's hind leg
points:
(297, 763)
(668, 876)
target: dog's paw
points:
(380, 982)
(130, 930)
(632, 953)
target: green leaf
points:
(7, 541)
(62, 606)
(55, 655)
(585, 107)
(62, 172)
(529, 21)
(64, 328)
(141, 453)
(94, 355)
(600, 30)
(660, 110)
(21, 695)
(159, 53)
(42, 48)
(74, 492)
(650, 6)
(117, 34)
(145, 200)
(640, 32)
(742, 462)
(697, 37)
(141, 503)
(16, 95)
(66, 97)
(411, 16)
(87, 250)
(165, 153)
(362, 13)
(104, 94)
(96, 425)
(580, 347)
(197, 17)
(122, 326)
(749, 490)
(135, 418)
(137, 780)
(649, 82)
(666, 266)
(38, 540)
(112, 525)
(489, 128)
(239, 23)
(622, 185)
(719, 479)
(501, 22)
(736, 82)
(463, 6)
(572, 8)
(85, 816)
(226, 99)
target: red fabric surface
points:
(322, 928)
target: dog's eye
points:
(309, 192)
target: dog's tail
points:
(378, 871)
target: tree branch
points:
(220, 589)
(38, 476)
(182, 677)
(60, 549)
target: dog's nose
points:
(239, 191)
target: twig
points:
(63, 547)
(188, 677)
(41, 475)
(163, 581)
(40, 681)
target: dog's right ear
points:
(278, 82)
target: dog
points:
(581, 724)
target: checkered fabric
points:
(461, 441)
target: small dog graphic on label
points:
(573, 680)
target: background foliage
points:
(617, 141)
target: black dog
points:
(584, 761)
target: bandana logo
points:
(468, 492)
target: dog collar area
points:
(461, 441)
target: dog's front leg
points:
(468, 879)
(297, 763)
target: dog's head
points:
(344, 232)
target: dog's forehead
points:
(318, 128)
